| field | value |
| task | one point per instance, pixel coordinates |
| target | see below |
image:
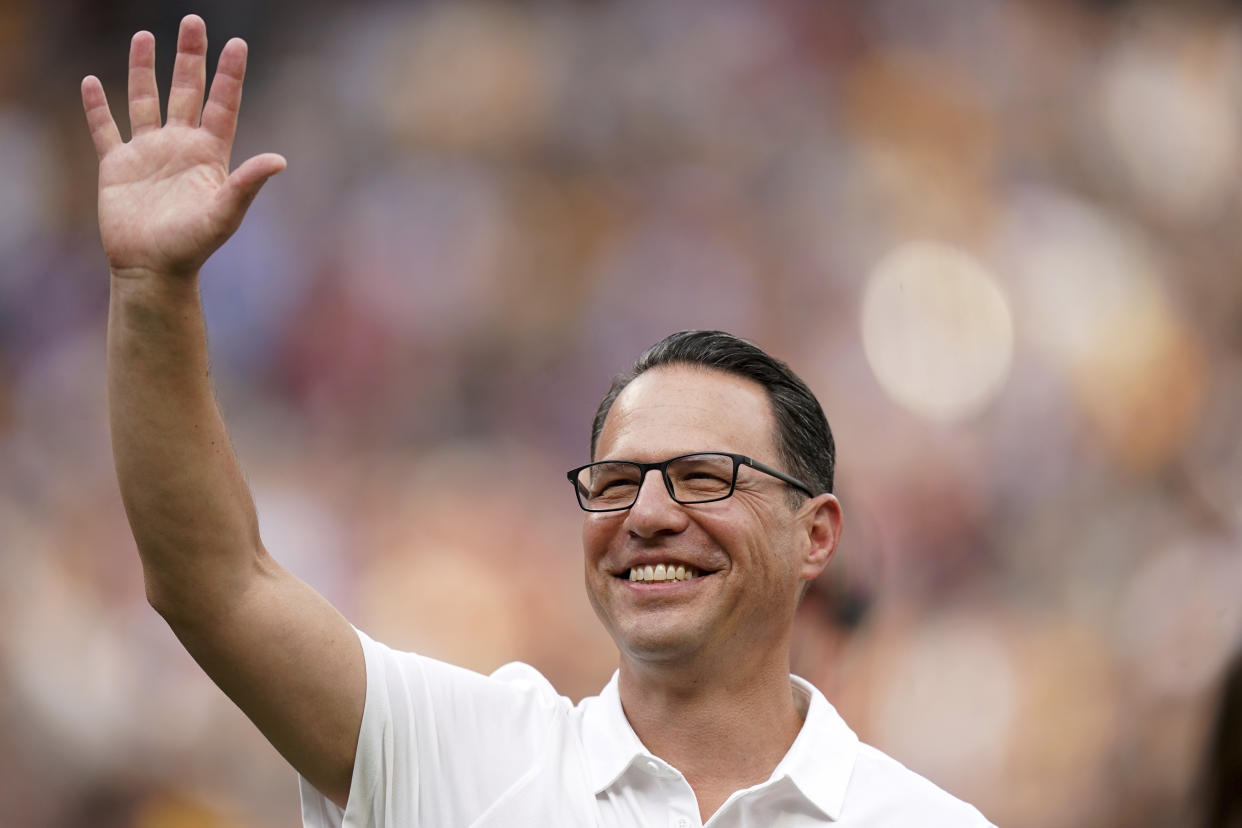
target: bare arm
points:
(166, 202)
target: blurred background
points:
(1000, 240)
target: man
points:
(708, 509)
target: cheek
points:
(596, 535)
(778, 552)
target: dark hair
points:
(804, 439)
(1220, 797)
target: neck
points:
(724, 730)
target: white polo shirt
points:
(443, 746)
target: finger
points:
(224, 100)
(185, 96)
(144, 98)
(243, 185)
(98, 117)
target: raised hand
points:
(166, 198)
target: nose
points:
(655, 512)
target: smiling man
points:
(704, 675)
(708, 509)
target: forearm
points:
(277, 648)
(188, 505)
(167, 201)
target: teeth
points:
(663, 572)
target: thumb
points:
(244, 183)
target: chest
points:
(666, 800)
(650, 797)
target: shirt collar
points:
(821, 759)
(819, 763)
(612, 745)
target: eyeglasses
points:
(612, 485)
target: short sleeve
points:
(438, 744)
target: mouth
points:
(660, 573)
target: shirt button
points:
(653, 766)
(683, 823)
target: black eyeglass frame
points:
(739, 460)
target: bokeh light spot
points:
(937, 330)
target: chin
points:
(656, 643)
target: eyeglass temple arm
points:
(778, 474)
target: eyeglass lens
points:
(696, 478)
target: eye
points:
(702, 476)
(611, 482)
(612, 485)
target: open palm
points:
(166, 197)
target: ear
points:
(822, 520)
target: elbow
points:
(173, 603)
(187, 595)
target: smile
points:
(663, 572)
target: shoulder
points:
(405, 668)
(888, 792)
(522, 675)
(521, 678)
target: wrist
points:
(141, 273)
(143, 287)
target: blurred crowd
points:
(1000, 240)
